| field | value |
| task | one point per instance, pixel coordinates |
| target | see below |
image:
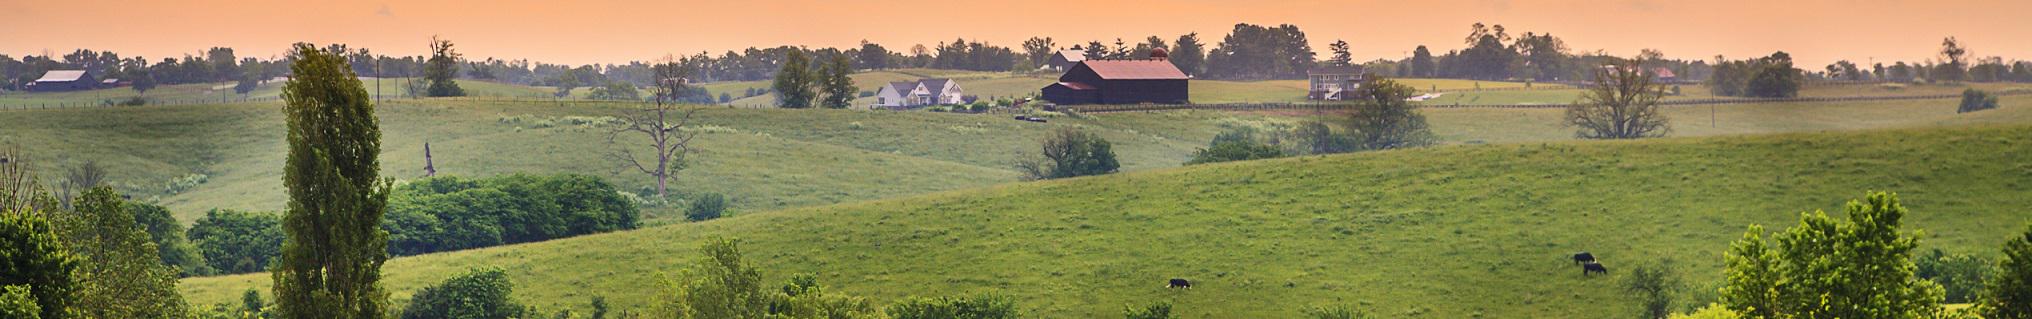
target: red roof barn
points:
(1154, 80)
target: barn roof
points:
(1135, 69)
(1076, 86)
(1074, 56)
(62, 76)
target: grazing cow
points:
(1583, 257)
(1593, 267)
(1179, 283)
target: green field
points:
(1446, 232)
(763, 159)
(1693, 92)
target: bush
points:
(1335, 313)
(17, 302)
(977, 307)
(1710, 312)
(1161, 310)
(1976, 100)
(706, 207)
(171, 244)
(234, 242)
(478, 293)
(1235, 145)
(1961, 275)
(451, 213)
(1070, 152)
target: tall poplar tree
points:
(334, 246)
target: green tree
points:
(442, 70)
(794, 81)
(706, 207)
(1161, 310)
(976, 307)
(1960, 275)
(235, 242)
(1710, 312)
(17, 301)
(1039, 50)
(33, 258)
(804, 298)
(249, 80)
(1954, 61)
(1621, 104)
(718, 285)
(170, 243)
(616, 91)
(1070, 152)
(1655, 287)
(1778, 80)
(334, 246)
(142, 82)
(122, 276)
(1824, 268)
(1189, 55)
(836, 83)
(2009, 293)
(482, 293)
(1422, 64)
(1384, 119)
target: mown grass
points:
(1446, 232)
(1698, 92)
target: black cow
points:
(1179, 283)
(1593, 267)
(1583, 257)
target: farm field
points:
(1455, 231)
(761, 158)
(1699, 92)
(756, 155)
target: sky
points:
(1815, 32)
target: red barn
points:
(1154, 80)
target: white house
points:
(913, 94)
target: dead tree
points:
(429, 167)
(663, 123)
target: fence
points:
(1343, 106)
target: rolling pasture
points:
(1456, 231)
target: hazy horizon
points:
(1815, 32)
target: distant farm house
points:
(1065, 59)
(1333, 82)
(1153, 80)
(1661, 75)
(915, 94)
(64, 80)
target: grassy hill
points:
(390, 88)
(1447, 232)
(762, 159)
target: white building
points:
(914, 94)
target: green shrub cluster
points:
(452, 213)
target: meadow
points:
(1458, 231)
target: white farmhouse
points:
(915, 94)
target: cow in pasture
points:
(1179, 283)
(1583, 257)
(1593, 267)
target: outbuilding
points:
(1145, 81)
(64, 80)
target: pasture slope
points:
(763, 159)
(1458, 231)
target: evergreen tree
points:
(442, 70)
(794, 81)
(122, 276)
(1189, 54)
(334, 246)
(1827, 269)
(2009, 293)
(32, 258)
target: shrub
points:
(1070, 152)
(170, 241)
(1976, 100)
(977, 307)
(17, 302)
(1335, 313)
(1161, 310)
(1235, 145)
(478, 293)
(451, 213)
(1712, 311)
(235, 242)
(706, 207)
(1960, 275)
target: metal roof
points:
(1135, 69)
(62, 76)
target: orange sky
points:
(606, 31)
